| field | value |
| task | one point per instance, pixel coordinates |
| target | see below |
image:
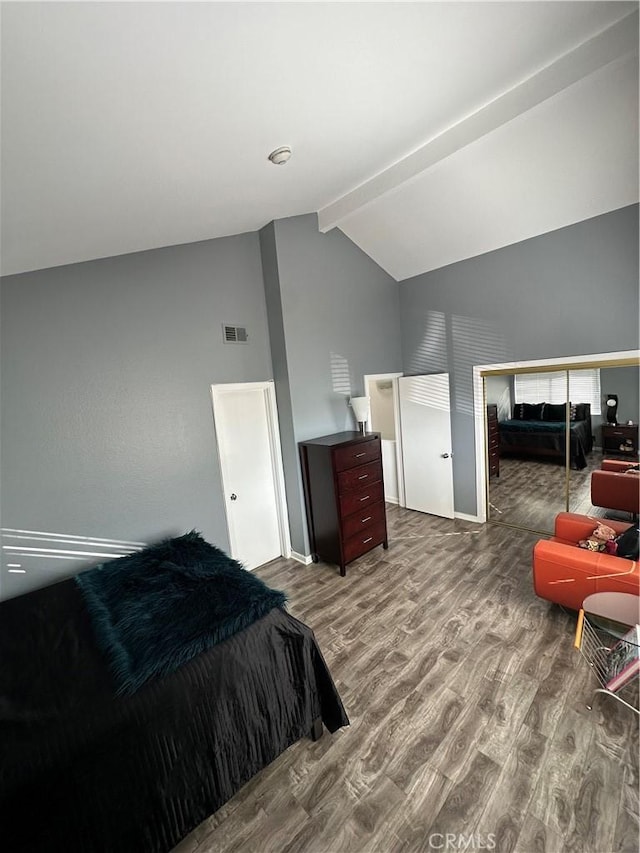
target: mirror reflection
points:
(599, 490)
(537, 468)
(530, 486)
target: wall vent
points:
(234, 334)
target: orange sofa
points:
(612, 488)
(567, 574)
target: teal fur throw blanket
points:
(154, 610)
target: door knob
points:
(234, 497)
(444, 455)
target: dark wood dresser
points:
(344, 496)
(493, 441)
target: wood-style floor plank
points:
(530, 492)
(556, 795)
(535, 837)
(468, 712)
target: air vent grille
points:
(234, 334)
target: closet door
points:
(250, 466)
(425, 422)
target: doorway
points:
(246, 424)
(384, 417)
(412, 415)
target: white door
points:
(248, 450)
(425, 424)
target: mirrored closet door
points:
(548, 431)
(615, 439)
(530, 486)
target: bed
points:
(84, 768)
(539, 430)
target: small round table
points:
(604, 620)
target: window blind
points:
(584, 387)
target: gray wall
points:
(624, 382)
(290, 464)
(570, 292)
(334, 316)
(107, 426)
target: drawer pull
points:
(363, 476)
(370, 539)
(365, 498)
(358, 455)
(368, 518)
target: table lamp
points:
(361, 409)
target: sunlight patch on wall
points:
(340, 374)
(431, 354)
(34, 558)
(475, 341)
(435, 396)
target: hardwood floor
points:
(530, 492)
(468, 712)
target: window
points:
(584, 387)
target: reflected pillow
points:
(528, 411)
(578, 411)
(554, 412)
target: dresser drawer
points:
(365, 541)
(352, 502)
(359, 521)
(362, 475)
(356, 454)
(621, 431)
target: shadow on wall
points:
(474, 342)
(435, 397)
(455, 344)
(431, 354)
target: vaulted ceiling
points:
(428, 132)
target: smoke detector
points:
(280, 155)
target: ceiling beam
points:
(616, 42)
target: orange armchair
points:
(612, 488)
(567, 574)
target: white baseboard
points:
(305, 559)
(389, 500)
(463, 516)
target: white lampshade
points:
(360, 406)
